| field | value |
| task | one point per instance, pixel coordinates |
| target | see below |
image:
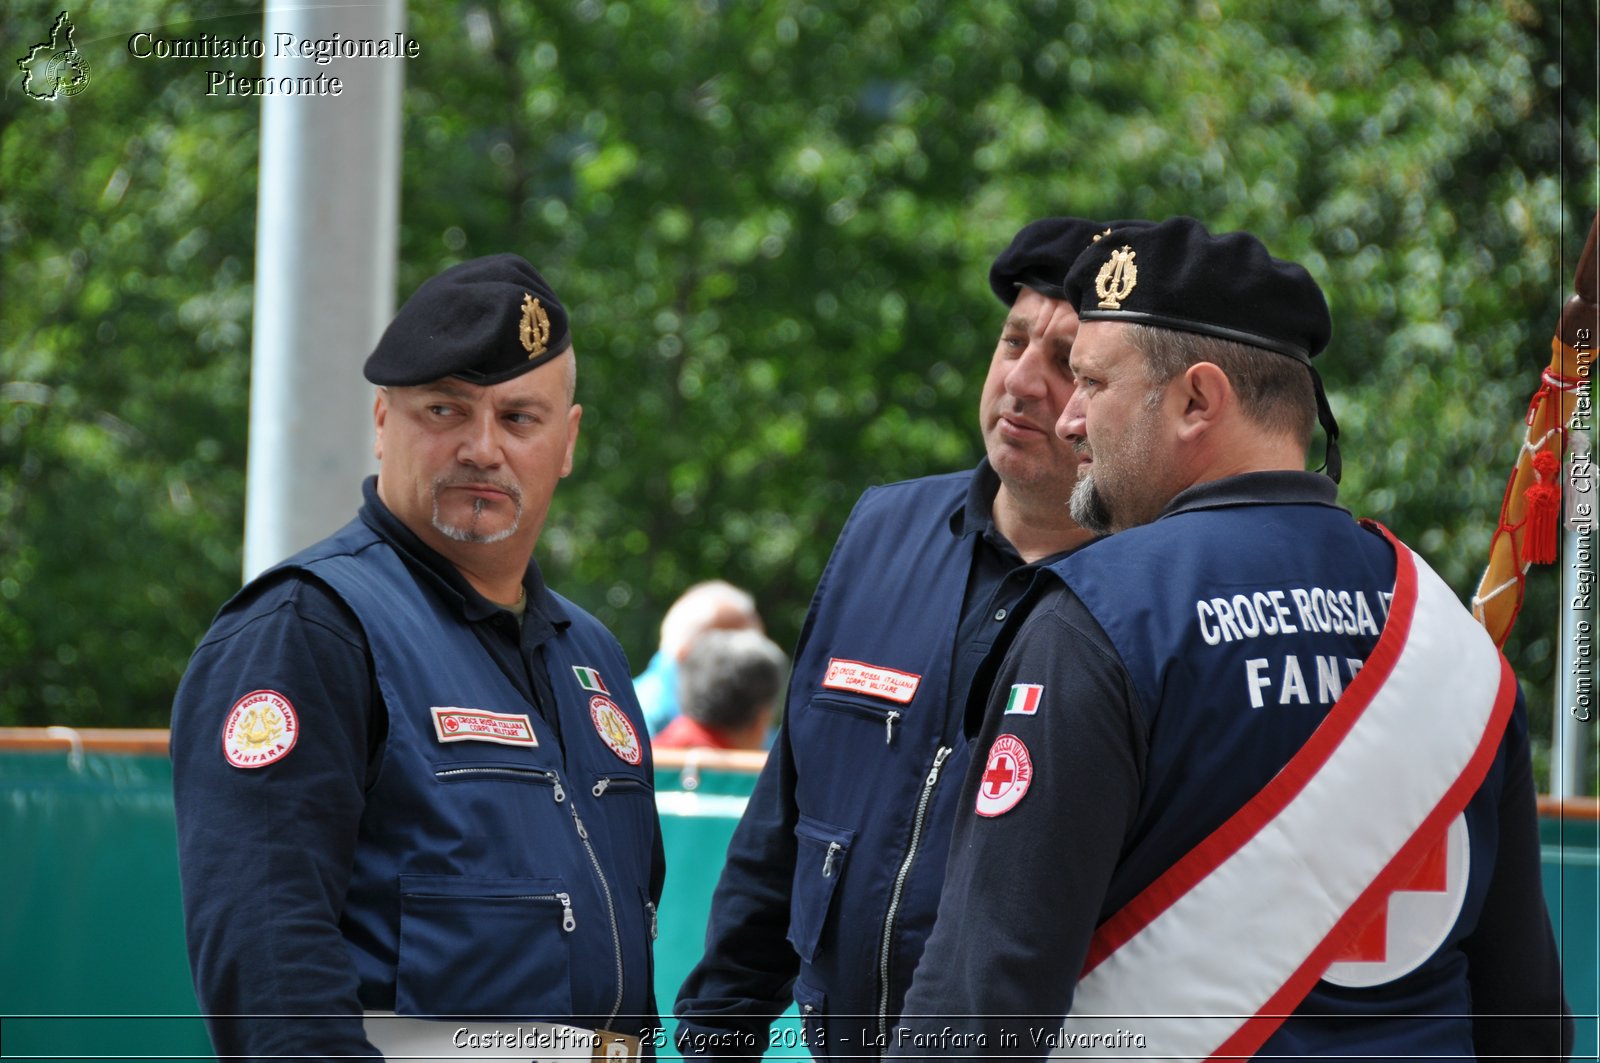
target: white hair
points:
(703, 607)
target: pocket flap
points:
(821, 855)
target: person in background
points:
(728, 687)
(714, 605)
(833, 874)
(411, 781)
(1250, 781)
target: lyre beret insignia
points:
(535, 328)
(1116, 279)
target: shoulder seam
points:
(290, 603)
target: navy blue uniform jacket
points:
(384, 864)
(833, 875)
(1155, 722)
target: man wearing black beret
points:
(1250, 779)
(833, 875)
(412, 782)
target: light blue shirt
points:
(657, 689)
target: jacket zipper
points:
(569, 921)
(621, 783)
(611, 908)
(899, 889)
(525, 773)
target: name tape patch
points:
(453, 724)
(891, 684)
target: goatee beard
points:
(1088, 506)
(469, 534)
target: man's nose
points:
(481, 444)
(1070, 425)
(1026, 380)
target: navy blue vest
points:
(1237, 640)
(890, 598)
(494, 879)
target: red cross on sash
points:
(1311, 860)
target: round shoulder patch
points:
(260, 729)
(615, 729)
(1006, 776)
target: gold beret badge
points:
(535, 328)
(1116, 278)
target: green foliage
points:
(125, 242)
(773, 224)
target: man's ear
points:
(1207, 395)
(380, 412)
(574, 415)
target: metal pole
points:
(327, 215)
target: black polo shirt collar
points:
(1279, 487)
(975, 514)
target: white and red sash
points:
(1211, 957)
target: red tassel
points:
(1543, 509)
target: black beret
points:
(1040, 255)
(1176, 275)
(485, 320)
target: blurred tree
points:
(126, 237)
(773, 223)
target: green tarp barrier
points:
(91, 932)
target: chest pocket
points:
(619, 784)
(821, 857)
(870, 711)
(624, 818)
(494, 771)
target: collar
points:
(542, 606)
(1276, 488)
(975, 515)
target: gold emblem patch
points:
(535, 328)
(615, 729)
(260, 728)
(1116, 278)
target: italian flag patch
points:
(1025, 698)
(589, 679)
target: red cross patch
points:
(1006, 776)
(1415, 920)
